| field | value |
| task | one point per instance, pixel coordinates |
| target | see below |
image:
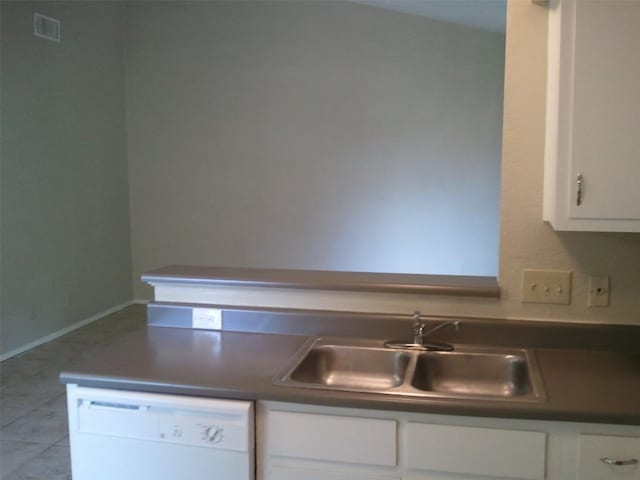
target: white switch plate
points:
(598, 291)
(207, 318)
(546, 286)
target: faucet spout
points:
(420, 336)
(454, 323)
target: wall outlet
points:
(207, 318)
(598, 291)
(546, 286)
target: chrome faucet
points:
(420, 336)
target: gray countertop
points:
(581, 385)
(456, 285)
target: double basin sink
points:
(473, 372)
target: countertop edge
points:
(466, 408)
(449, 285)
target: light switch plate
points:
(546, 286)
(207, 318)
(598, 291)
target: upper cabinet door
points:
(592, 157)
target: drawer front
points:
(476, 451)
(593, 448)
(332, 438)
(292, 473)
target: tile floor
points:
(34, 440)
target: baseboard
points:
(141, 301)
(66, 330)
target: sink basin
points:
(480, 374)
(344, 367)
(476, 372)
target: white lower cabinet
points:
(603, 457)
(316, 443)
(322, 473)
(308, 442)
(333, 438)
(308, 445)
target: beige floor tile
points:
(57, 353)
(41, 425)
(10, 413)
(33, 401)
(64, 441)
(26, 371)
(58, 403)
(31, 395)
(52, 464)
(16, 454)
(17, 370)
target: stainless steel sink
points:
(366, 366)
(503, 374)
(352, 367)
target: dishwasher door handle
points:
(117, 407)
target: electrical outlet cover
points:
(598, 291)
(207, 318)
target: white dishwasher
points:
(117, 434)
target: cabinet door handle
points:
(612, 461)
(579, 182)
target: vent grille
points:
(46, 27)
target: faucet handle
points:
(418, 328)
(418, 323)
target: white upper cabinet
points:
(592, 156)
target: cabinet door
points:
(475, 452)
(598, 455)
(332, 438)
(606, 115)
(593, 145)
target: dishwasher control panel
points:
(164, 422)
(198, 431)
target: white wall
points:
(313, 135)
(65, 222)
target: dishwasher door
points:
(132, 435)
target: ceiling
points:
(484, 14)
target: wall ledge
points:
(450, 285)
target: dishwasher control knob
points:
(213, 434)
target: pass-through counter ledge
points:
(451, 285)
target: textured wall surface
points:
(65, 214)
(525, 240)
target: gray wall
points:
(65, 222)
(314, 135)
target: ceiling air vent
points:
(46, 27)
